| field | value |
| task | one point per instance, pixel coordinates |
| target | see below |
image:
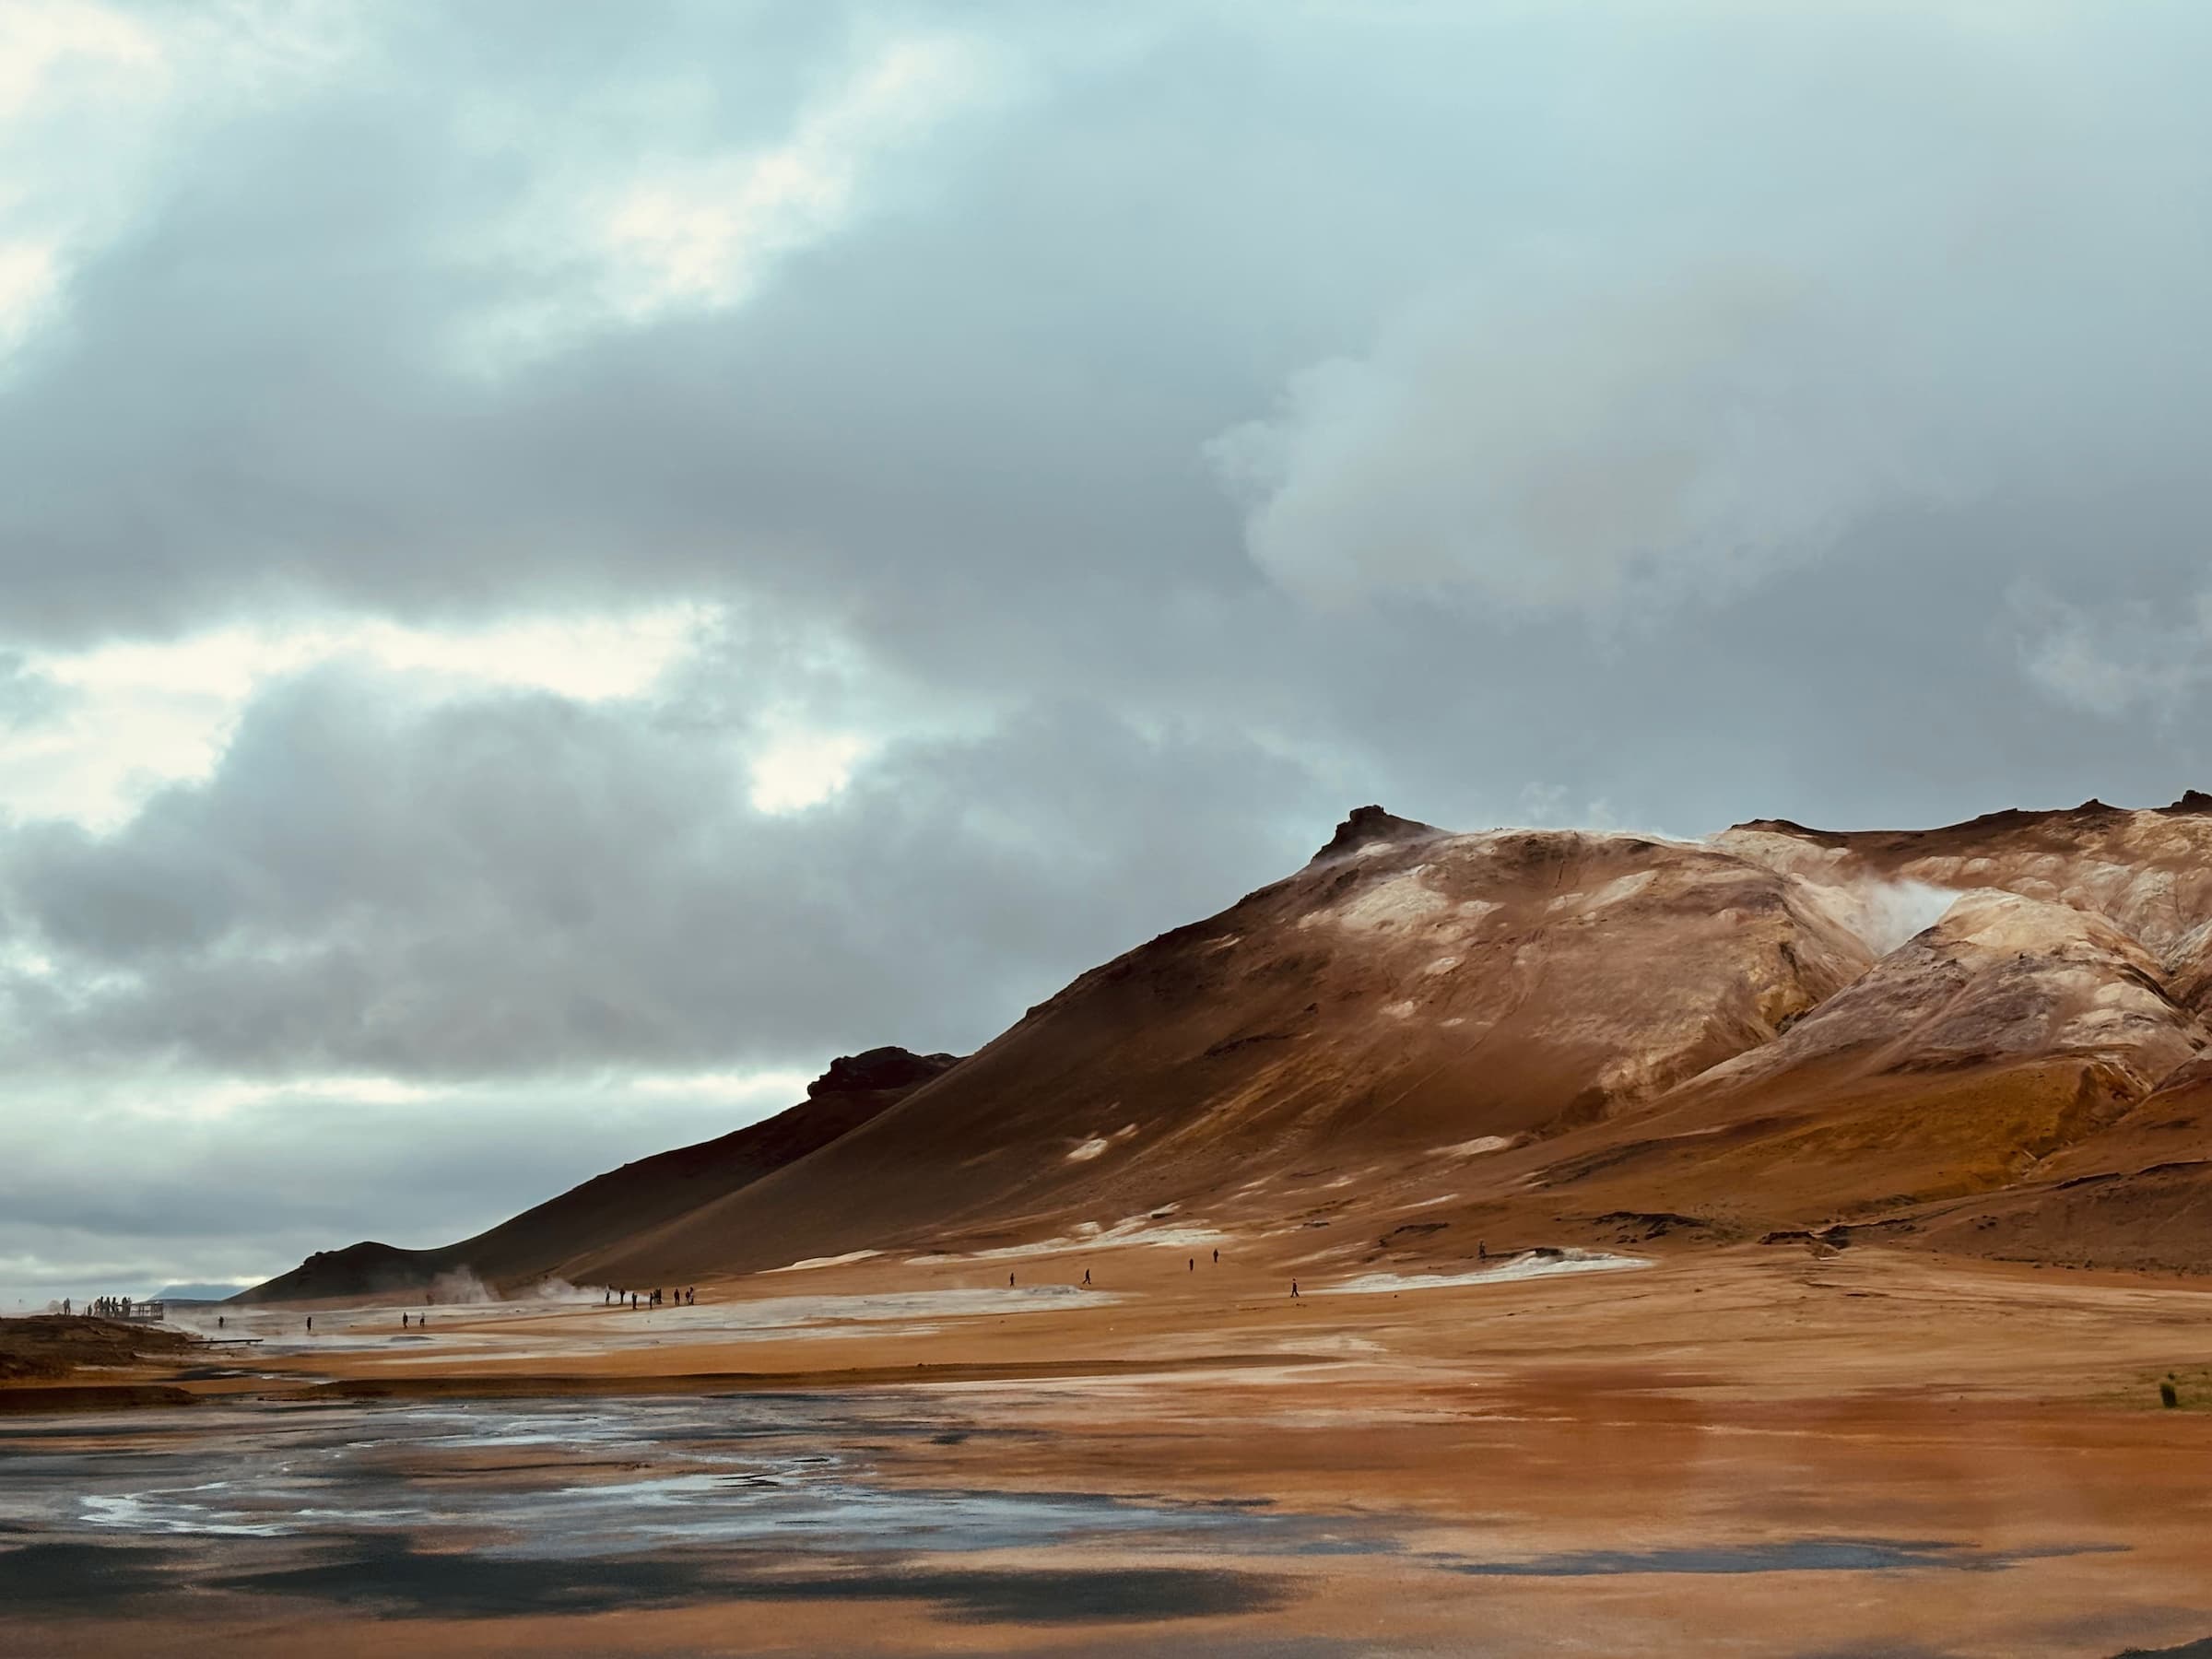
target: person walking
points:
(1294, 1289)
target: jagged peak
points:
(886, 1067)
(1368, 825)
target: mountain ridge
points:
(1536, 1032)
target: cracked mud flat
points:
(1740, 1455)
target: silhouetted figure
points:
(310, 1324)
(1482, 1250)
(691, 1297)
(1294, 1287)
(1217, 1258)
(1194, 1263)
(1010, 1281)
(1087, 1277)
(218, 1322)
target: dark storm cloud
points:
(523, 885)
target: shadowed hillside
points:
(548, 1241)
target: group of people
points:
(651, 1299)
(109, 1307)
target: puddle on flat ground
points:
(480, 1509)
(557, 1480)
(494, 1507)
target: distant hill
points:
(197, 1292)
(553, 1239)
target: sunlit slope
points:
(2013, 1031)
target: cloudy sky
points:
(561, 565)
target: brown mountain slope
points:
(548, 1240)
(1983, 1036)
(2138, 1193)
(1407, 989)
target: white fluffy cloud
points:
(97, 100)
(1539, 446)
(115, 723)
(669, 232)
(2119, 657)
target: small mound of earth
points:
(52, 1344)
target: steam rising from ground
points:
(1886, 914)
(462, 1286)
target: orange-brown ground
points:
(1593, 1462)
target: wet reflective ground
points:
(437, 1517)
(489, 1509)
